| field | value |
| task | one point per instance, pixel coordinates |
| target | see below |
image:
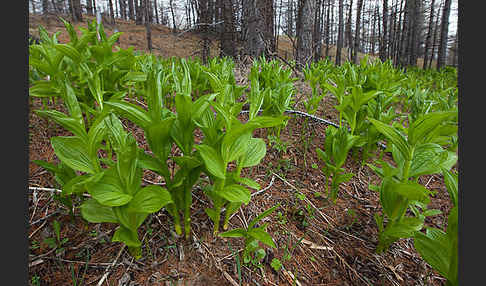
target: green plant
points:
(252, 235)
(276, 264)
(56, 242)
(117, 195)
(439, 248)
(414, 155)
(337, 144)
(35, 280)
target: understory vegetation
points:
(190, 115)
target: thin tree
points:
(147, 25)
(174, 26)
(429, 35)
(435, 38)
(131, 10)
(359, 6)
(89, 7)
(305, 27)
(112, 12)
(444, 30)
(383, 38)
(340, 34)
(228, 39)
(328, 28)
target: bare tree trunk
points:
(435, 38)
(305, 27)
(89, 7)
(444, 30)
(340, 34)
(328, 28)
(139, 11)
(228, 39)
(45, 6)
(429, 35)
(112, 12)
(383, 41)
(156, 12)
(147, 25)
(317, 36)
(203, 13)
(131, 10)
(349, 38)
(356, 31)
(174, 26)
(254, 28)
(269, 26)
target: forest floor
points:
(328, 244)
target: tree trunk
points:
(139, 10)
(89, 7)
(429, 35)
(228, 39)
(254, 28)
(75, 9)
(317, 37)
(45, 6)
(147, 25)
(112, 12)
(444, 30)
(435, 38)
(131, 10)
(305, 27)
(203, 18)
(356, 31)
(383, 41)
(269, 26)
(328, 28)
(349, 38)
(340, 34)
(174, 27)
(156, 12)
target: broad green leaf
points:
(394, 205)
(126, 236)
(109, 190)
(255, 152)
(158, 137)
(237, 232)
(248, 182)
(232, 146)
(425, 124)
(72, 104)
(212, 160)
(404, 228)
(129, 220)
(262, 235)
(150, 199)
(451, 182)
(69, 51)
(135, 76)
(394, 136)
(95, 212)
(412, 191)
(433, 252)
(430, 158)
(73, 151)
(96, 133)
(65, 121)
(131, 111)
(77, 184)
(236, 193)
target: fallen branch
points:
(107, 271)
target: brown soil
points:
(347, 246)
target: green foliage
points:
(338, 142)
(252, 252)
(415, 155)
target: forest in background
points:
(407, 32)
